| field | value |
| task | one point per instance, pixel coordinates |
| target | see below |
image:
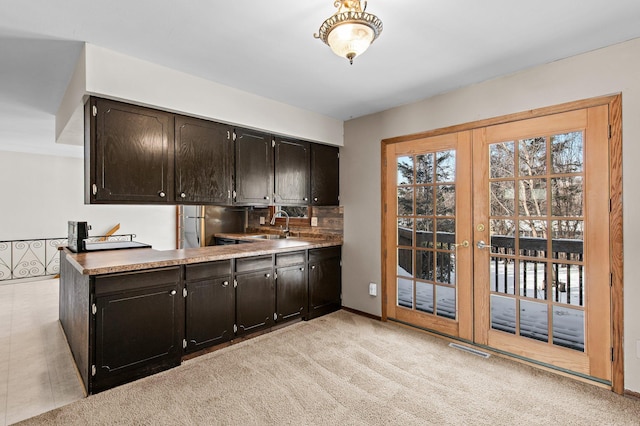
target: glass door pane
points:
(536, 194)
(426, 188)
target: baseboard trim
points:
(362, 314)
(632, 394)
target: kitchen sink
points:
(269, 237)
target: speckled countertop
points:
(112, 261)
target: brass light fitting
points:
(351, 30)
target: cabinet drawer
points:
(136, 280)
(207, 270)
(254, 263)
(316, 255)
(287, 259)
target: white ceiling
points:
(267, 48)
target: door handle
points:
(482, 245)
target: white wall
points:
(611, 70)
(110, 74)
(41, 193)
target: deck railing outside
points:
(502, 251)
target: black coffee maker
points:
(78, 234)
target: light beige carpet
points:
(343, 369)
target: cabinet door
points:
(292, 162)
(204, 161)
(130, 156)
(325, 175)
(210, 313)
(255, 305)
(137, 333)
(291, 292)
(325, 281)
(254, 168)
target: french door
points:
(429, 275)
(500, 236)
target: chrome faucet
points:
(273, 221)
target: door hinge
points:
(610, 131)
(235, 283)
(94, 309)
(338, 154)
(341, 263)
(273, 143)
(612, 356)
(234, 136)
(275, 316)
(184, 292)
(235, 195)
(235, 328)
(610, 205)
(611, 279)
(94, 189)
(95, 111)
(228, 135)
(184, 343)
(93, 370)
(275, 276)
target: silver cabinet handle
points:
(266, 197)
(313, 266)
(225, 284)
(173, 292)
(482, 245)
(306, 199)
(183, 195)
(315, 198)
(302, 269)
(162, 194)
(267, 275)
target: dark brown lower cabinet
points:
(255, 294)
(138, 321)
(291, 286)
(325, 281)
(209, 305)
(125, 326)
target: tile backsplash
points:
(330, 222)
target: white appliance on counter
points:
(198, 224)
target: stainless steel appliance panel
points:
(199, 224)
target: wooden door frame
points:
(614, 102)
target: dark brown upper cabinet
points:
(138, 155)
(203, 162)
(292, 174)
(129, 151)
(325, 175)
(254, 168)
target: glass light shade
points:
(349, 40)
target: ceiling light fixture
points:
(350, 31)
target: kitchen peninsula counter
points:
(108, 262)
(131, 313)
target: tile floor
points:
(37, 373)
